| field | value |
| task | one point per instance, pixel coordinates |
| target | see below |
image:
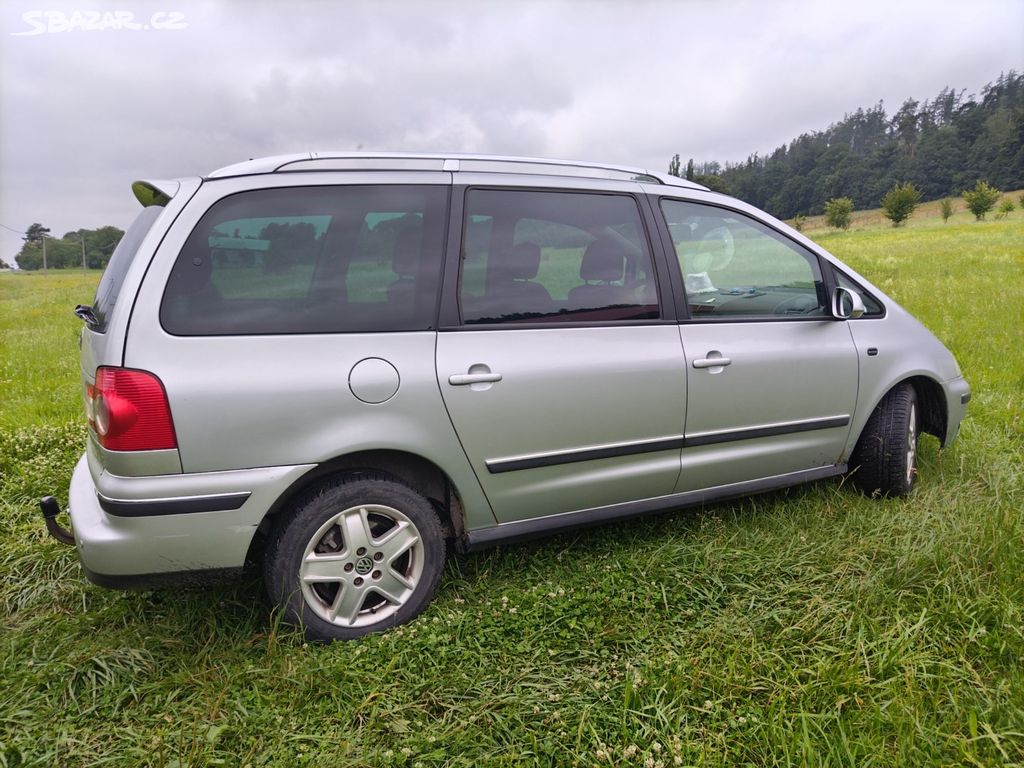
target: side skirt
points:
(503, 533)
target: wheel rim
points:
(361, 566)
(911, 444)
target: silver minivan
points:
(341, 365)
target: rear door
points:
(772, 377)
(559, 367)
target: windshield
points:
(114, 274)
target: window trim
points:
(450, 314)
(683, 314)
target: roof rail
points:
(413, 161)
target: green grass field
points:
(810, 627)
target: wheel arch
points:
(413, 470)
(932, 415)
(932, 408)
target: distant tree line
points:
(94, 246)
(943, 147)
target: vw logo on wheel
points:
(364, 565)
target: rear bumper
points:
(133, 531)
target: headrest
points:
(521, 263)
(406, 258)
(604, 261)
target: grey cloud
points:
(84, 113)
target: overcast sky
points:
(83, 112)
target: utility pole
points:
(44, 253)
(82, 235)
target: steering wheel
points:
(714, 251)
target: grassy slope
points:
(808, 627)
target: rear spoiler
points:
(155, 191)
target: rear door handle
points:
(712, 362)
(462, 379)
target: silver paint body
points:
(255, 414)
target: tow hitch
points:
(50, 510)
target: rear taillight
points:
(129, 411)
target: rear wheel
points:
(884, 463)
(358, 557)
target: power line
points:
(16, 231)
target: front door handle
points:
(462, 379)
(712, 362)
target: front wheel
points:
(884, 463)
(358, 557)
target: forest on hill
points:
(943, 146)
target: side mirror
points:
(846, 304)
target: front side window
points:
(544, 257)
(310, 260)
(736, 267)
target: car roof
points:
(413, 161)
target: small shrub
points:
(946, 208)
(1021, 199)
(799, 222)
(900, 201)
(981, 199)
(838, 211)
(1005, 209)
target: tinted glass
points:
(734, 266)
(543, 257)
(123, 256)
(310, 260)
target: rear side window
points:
(310, 260)
(550, 257)
(122, 258)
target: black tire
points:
(380, 538)
(884, 463)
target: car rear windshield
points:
(117, 268)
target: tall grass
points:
(39, 345)
(807, 627)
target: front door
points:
(772, 377)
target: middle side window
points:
(549, 257)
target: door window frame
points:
(450, 313)
(683, 314)
(430, 315)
